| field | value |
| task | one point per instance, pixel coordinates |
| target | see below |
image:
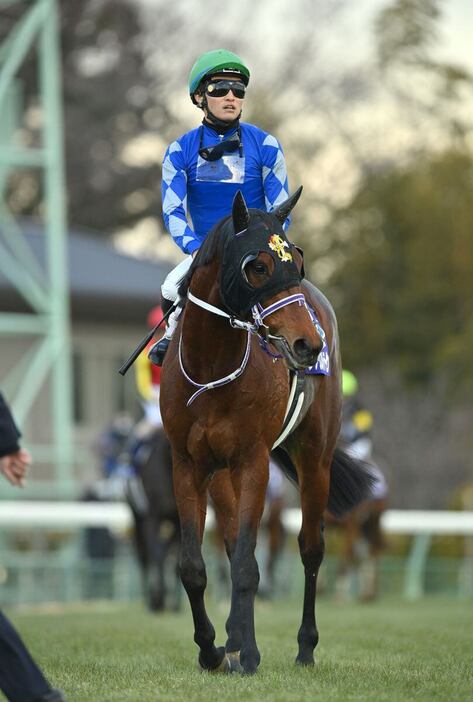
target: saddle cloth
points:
(322, 365)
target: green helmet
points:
(213, 61)
(349, 384)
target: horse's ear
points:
(240, 214)
(283, 210)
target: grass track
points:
(391, 650)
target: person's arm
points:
(9, 433)
(13, 459)
(275, 184)
(174, 195)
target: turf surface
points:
(391, 650)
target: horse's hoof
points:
(222, 667)
(306, 662)
(250, 671)
(234, 661)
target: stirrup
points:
(158, 351)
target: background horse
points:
(362, 543)
(157, 532)
(225, 390)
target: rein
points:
(259, 314)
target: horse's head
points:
(261, 269)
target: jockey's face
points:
(228, 107)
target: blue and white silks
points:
(205, 190)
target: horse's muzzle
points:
(306, 353)
(302, 354)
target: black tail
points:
(350, 480)
(350, 483)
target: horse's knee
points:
(245, 574)
(193, 574)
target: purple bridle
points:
(259, 313)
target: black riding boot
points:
(158, 351)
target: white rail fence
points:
(422, 525)
(116, 515)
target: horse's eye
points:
(259, 268)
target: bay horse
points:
(245, 332)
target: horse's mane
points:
(211, 245)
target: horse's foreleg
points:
(244, 567)
(224, 496)
(233, 623)
(191, 504)
(314, 488)
(224, 490)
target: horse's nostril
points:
(305, 351)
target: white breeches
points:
(152, 413)
(276, 483)
(151, 409)
(171, 284)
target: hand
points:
(194, 253)
(14, 467)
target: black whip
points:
(144, 342)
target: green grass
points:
(391, 650)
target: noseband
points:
(259, 313)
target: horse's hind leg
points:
(191, 504)
(314, 488)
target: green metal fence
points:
(45, 292)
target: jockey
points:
(204, 168)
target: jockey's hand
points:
(14, 467)
(193, 254)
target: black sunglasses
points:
(222, 87)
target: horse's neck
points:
(210, 345)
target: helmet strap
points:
(218, 124)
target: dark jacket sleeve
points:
(9, 433)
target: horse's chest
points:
(249, 414)
(265, 391)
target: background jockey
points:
(362, 536)
(124, 447)
(203, 169)
(148, 375)
(356, 432)
(357, 420)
